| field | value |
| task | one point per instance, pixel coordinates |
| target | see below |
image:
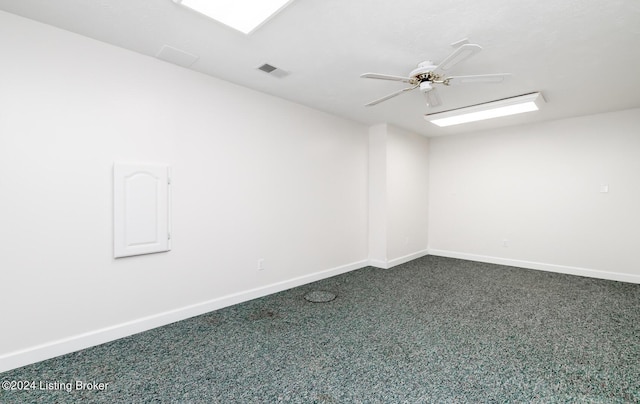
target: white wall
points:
(407, 194)
(537, 186)
(254, 177)
(378, 195)
(398, 195)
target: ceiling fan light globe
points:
(425, 87)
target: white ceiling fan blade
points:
(463, 52)
(480, 78)
(433, 98)
(385, 77)
(386, 97)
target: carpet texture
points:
(435, 330)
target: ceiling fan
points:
(429, 75)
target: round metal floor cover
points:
(319, 296)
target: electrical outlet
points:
(505, 243)
(261, 264)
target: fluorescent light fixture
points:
(488, 110)
(243, 15)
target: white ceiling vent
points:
(273, 71)
(177, 56)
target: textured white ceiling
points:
(583, 55)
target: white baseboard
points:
(75, 343)
(397, 261)
(401, 260)
(378, 263)
(591, 273)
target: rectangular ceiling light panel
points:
(243, 15)
(494, 109)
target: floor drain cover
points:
(319, 296)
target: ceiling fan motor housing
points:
(423, 69)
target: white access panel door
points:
(141, 207)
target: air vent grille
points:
(267, 68)
(273, 71)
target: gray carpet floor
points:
(433, 330)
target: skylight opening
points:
(243, 15)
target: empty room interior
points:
(335, 201)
